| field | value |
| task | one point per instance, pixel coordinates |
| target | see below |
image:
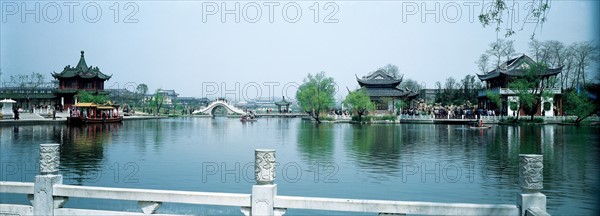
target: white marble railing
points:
(546, 118)
(507, 91)
(48, 195)
(423, 117)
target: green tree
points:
(529, 88)
(157, 100)
(400, 105)
(579, 105)
(142, 89)
(315, 95)
(359, 102)
(87, 97)
(495, 98)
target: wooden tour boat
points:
(91, 113)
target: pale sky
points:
(186, 46)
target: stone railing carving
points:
(49, 159)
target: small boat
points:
(479, 127)
(91, 113)
(247, 119)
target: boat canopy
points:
(105, 107)
(86, 105)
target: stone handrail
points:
(188, 197)
(398, 207)
(48, 195)
(16, 187)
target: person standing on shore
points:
(16, 113)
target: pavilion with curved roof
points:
(383, 90)
(498, 80)
(79, 78)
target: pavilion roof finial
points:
(81, 64)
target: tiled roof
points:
(516, 67)
(386, 92)
(81, 70)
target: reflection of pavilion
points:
(283, 103)
(82, 150)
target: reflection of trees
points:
(566, 151)
(82, 149)
(377, 147)
(315, 142)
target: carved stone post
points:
(264, 192)
(531, 181)
(43, 202)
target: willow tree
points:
(315, 95)
(501, 12)
(359, 102)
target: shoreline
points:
(11, 122)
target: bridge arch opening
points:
(220, 104)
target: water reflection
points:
(370, 158)
(315, 142)
(376, 148)
(82, 149)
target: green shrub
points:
(507, 120)
(327, 118)
(384, 118)
(364, 118)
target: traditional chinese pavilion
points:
(383, 90)
(283, 103)
(497, 81)
(78, 78)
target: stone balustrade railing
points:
(48, 195)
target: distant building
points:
(79, 78)
(30, 95)
(383, 90)
(498, 80)
(193, 102)
(170, 96)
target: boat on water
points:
(479, 127)
(91, 113)
(248, 118)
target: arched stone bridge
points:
(211, 107)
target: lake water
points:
(407, 162)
